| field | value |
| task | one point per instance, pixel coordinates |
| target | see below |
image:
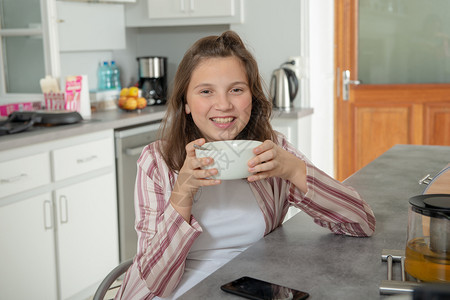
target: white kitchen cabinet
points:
(166, 9)
(24, 173)
(183, 12)
(84, 26)
(81, 158)
(58, 233)
(27, 251)
(296, 126)
(27, 40)
(87, 233)
(297, 129)
(163, 9)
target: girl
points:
(188, 225)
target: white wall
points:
(171, 42)
(271, 29)
(321, 51)
(82, 63)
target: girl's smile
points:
(223, 122)
(219, 98)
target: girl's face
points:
(219, 98)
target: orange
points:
(141, 102)
(124, 92)
(133, 92)
(130, 104)
(122, 101)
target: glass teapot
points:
(427, 255)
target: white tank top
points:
(231, 221)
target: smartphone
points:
(252, 288)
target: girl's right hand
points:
(190, 178)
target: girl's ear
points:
(187, 109)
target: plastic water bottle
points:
(100, 77)
(104, 76)
(107, 72)
(115, 76)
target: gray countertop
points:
(292, 113)
(111, 119)
(305, 256)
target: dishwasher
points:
(129, 143)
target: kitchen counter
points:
(292, 113)
(111, 119)
(305, 256)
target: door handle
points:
(86, 159)
(48, 215)
(182, 8)
(134, 151)
(63, 210)
(346, 84)
(13, 179)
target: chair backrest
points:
(110, 278)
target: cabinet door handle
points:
(134, 151)
(63, 210)
(48, 216)
(426, 180)
(13, 179)
(182, 5)
(86, 159)
(191, 5)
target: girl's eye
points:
(236, 90)
(206, 92)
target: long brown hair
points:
(179, 129)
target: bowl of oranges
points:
(129, 99)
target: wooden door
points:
(377, 116)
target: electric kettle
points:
(283, 88)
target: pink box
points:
(68, 100)
(7, 109)
(55, 101)
(73, 92)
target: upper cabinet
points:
(27, 48)
(146, 13)
(90, 26)
(162, 9)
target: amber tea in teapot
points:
(427, 255)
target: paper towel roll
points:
(85, 109)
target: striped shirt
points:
(164, 238)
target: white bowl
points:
(230, 157)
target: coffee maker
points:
(153, 79)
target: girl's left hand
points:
(273, 161)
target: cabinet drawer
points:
(24, 173)
(79, 159)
